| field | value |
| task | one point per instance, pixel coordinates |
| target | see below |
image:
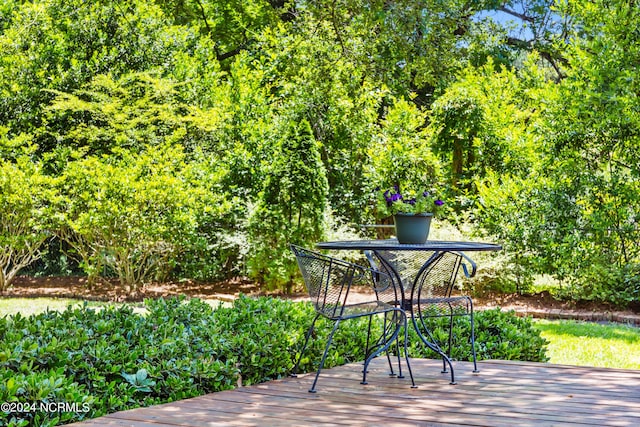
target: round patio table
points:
(394, 245)
(407, 263)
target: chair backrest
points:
(328, 280)
(437, 279)
(388, 287)
(435, 272)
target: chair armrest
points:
(474, 267)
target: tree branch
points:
(226, 55)
(203, 13)
(516, 14)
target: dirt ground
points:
(77, 288)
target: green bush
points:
(24, 216)
(273, 331)
(499, 335)
(113, 359)
(134, 215)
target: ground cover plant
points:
(111, 358)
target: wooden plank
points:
(502, 394)
(453, 399)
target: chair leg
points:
(450, 342)
(397, 342)
(384, 328)
(383, 338)
(294, 372)
(386, 343)
(367, 346)
(406, 350)
(391, 372)
(473, 337)
(324, 357)
(400, 375)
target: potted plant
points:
(412, 213)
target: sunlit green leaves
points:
(399, 153)
(290, 207)
(133, 215)
(130, 112)
(25, 196)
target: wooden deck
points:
(502, 394)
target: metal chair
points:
(328, 281)
(430, 294)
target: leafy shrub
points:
(113, 359)
(608, 283)
(273, 331)
(133, 215)
(499, 335)
(505, 336)
(24, 196)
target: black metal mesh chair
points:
(328, 281)
(430, 295)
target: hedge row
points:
(106, 360)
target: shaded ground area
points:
(78, 288)
(540, 305)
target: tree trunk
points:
(456, 162)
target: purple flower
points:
(392, 201)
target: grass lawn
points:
(29, 306)
(591, 344)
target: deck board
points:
(502, 394)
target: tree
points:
(574, 213)
(231, 24)
(594, 131)
(108, 115)
(484, 121)
(60, 45)
(400, 153)
(290, 208)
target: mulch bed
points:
(78, 288)
(541, 305)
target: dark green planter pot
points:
(412, 228)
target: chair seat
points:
(437, 307)
(352, 311)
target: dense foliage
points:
(111, 359)
(202, 137)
